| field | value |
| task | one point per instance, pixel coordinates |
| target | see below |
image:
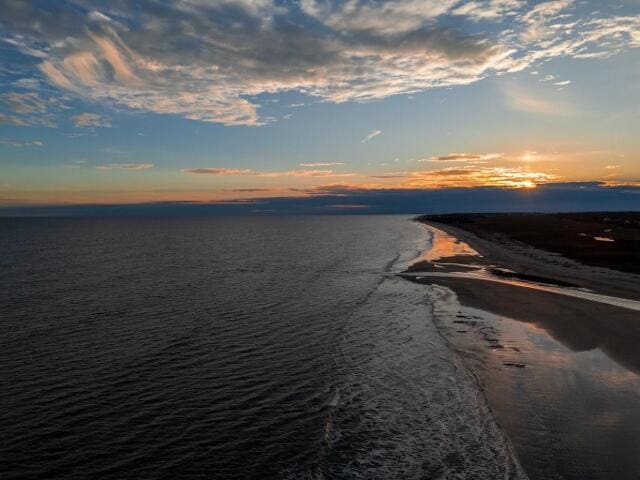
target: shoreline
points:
(451, 258)
(550, 362)
(519, 256)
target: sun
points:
(527, 184)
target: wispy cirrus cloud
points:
(249, 190)
(537, 20)
(85, 120)
(385, 176)
(208, 61)
(371, 135)
(267, 174)
(21, 143)
(465, 157)
(322, 164)
(76, 164)
(218, 171)
(527, 100)
(29, 102)
(125, 166)
(26, 109)
(489, 9)
(388, 18)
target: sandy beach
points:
(552, 342)
(553, 249)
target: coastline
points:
(538, 264)
(561, 373)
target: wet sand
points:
(557, 357)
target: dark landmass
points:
(572, 235)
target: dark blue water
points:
(229, 348)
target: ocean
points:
(231, 348)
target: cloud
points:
(26, 109)
(371, 135)
(465, 157)
(125, 166)
(77, 164)
(90, 120)
(29, 102)
(218, 171)
(489, 10)
(322, 164)
(114, 151)
(551, 29)
(390, 175)
(209, 60)
(21, 143)
(12, 120)
(391, 17)
(249, 190)
(527, 100)
(537, 19)
(255, 173)
(475, 176)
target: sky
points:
(253, 102)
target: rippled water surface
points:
(229, 348)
